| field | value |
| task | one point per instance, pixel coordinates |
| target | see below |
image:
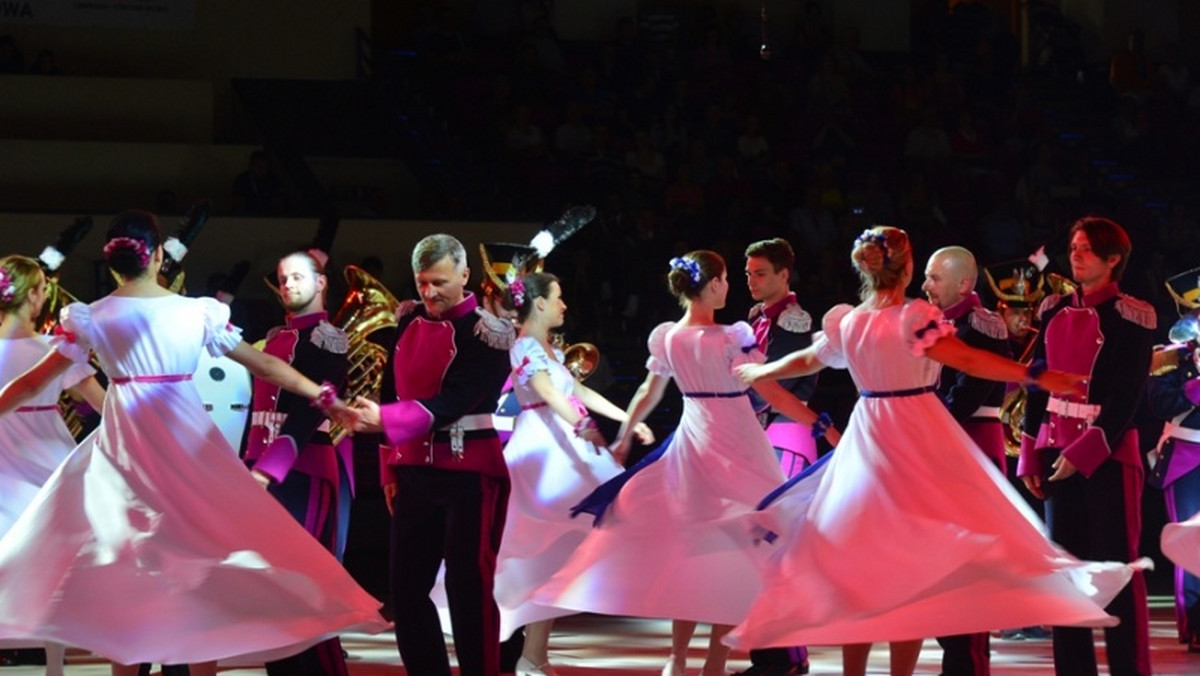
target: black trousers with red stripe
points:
(1099, 518)
(455, 517)
(315, 503)
(966, 654)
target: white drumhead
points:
(224, 387)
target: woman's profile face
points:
(720, 290)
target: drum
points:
(224, 387)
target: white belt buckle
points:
(456, 441)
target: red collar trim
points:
(301, 322)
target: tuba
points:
(368, 307)
(1012, 410)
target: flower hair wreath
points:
(517, 288)
(876, 238)
(137, 246)
(8, 289)
(689, 266)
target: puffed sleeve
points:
(741, 346)
(657, 363)
(77, 373)
(527, 357)
(219, 335)
(828, 341)
(73, 337)
(922, 325)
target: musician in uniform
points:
(288, 447)
(1080, 452)
(503, 262)
(950, 277)
(1018, 286)
(501, 266)
(1173, 391)
(443, 471)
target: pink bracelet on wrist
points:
(584, 423)
(325, 397)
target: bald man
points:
(950, 277)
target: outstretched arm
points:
(29, 383)
(562, 407)
(88, 390)
(799, 363)
(598, 403)
(276, 371)
(648, 394)
(951, 351)
(787, 403)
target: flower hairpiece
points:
(8, 290)
(517, 288)
(689, 266)
(135, 245)
(876, 238)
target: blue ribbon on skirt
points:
(597, 502)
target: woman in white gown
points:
(910, 532)
(152, 543)
(555, 458)
(674, 542)
(34, 440)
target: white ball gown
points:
(1181, 543)
(675, 543)
(34, 440)
(551, 470)
(152, 543)
(911, 532)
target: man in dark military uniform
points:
(443, 469)
(950, 277)
(1173, 392)
(781, 326)
(1080, 452)
(288, 448)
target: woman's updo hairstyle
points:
(524, 290)
(133, 236)
(881, 255)
(19, 275)
(693, 271)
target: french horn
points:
(368, 307)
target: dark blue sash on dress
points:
(785, 486)
(597, 502)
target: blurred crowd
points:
(683, 135)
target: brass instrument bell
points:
(581, 359)
(368, 307)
